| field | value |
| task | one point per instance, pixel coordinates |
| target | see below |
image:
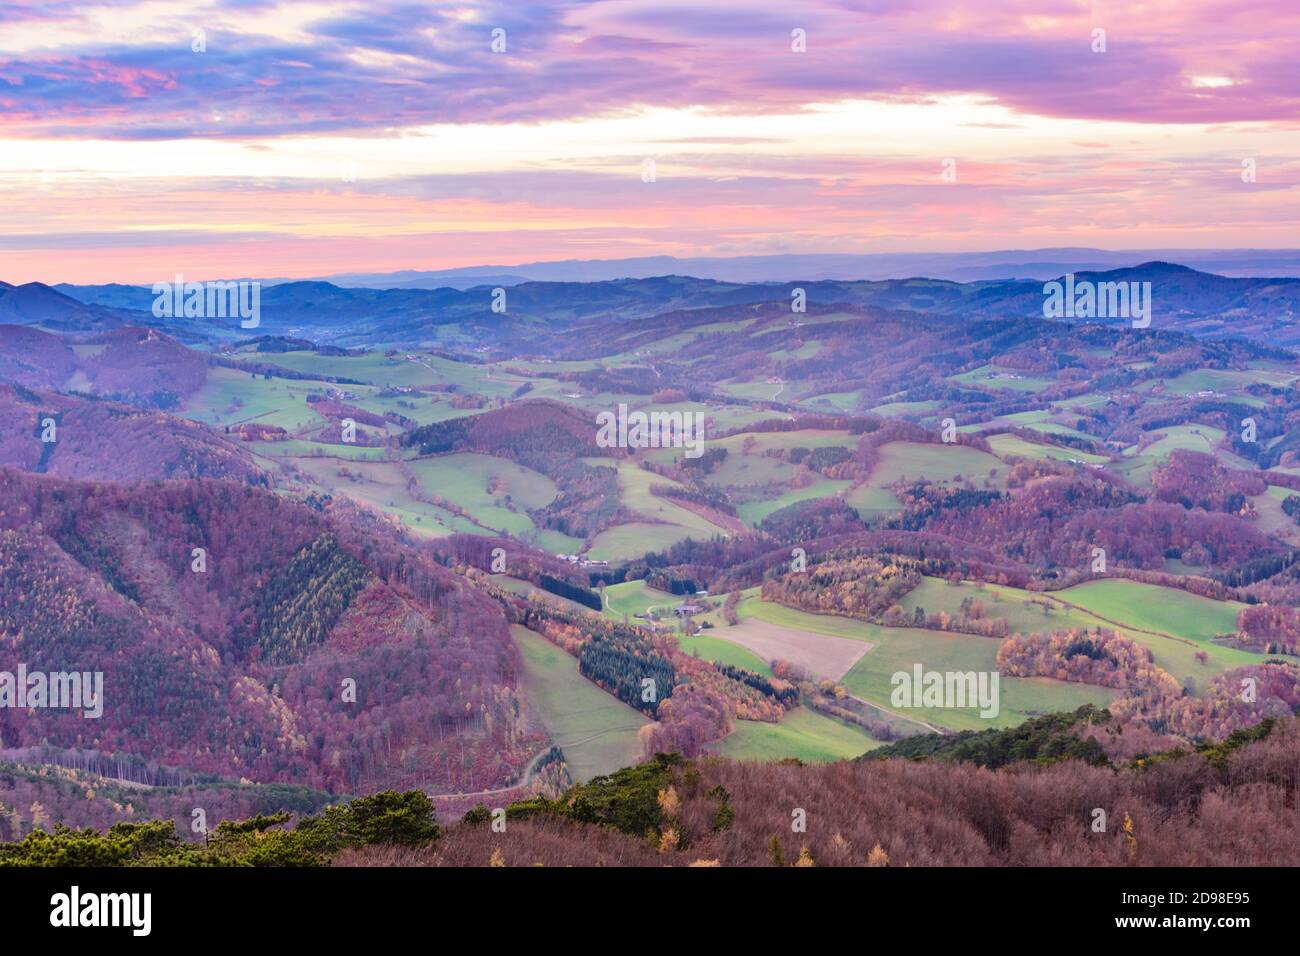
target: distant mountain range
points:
(953, 266)
(1182, 299)
(35, 303)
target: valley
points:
(880, 490)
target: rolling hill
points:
(244, 636)
(942, 461)
(1184, 300)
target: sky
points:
(247, 139)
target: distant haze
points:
(955, 266)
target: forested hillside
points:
(314, 586)
(243, 635)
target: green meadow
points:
(940, 463)
(466, 480)
(753, 512)
(383, 487)
(1005, 445)
(230, 397)
(802, 733)
(596, 731)
(668, 522)
(1174, 624)
(900, 649)
(709, 647)
(984, 377)
(636, 597)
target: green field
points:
(899, 649)
(1139, 465)
(753, 512)
(754, 606)
(805, 438)
(1272, 519)
(636, 597)
(1188, 437)
(299, 448)
(719, 650)
(1173, 624)
(807, 350)
(668, 521)
(940, 463)
(982, 378)
(937, 462)
(407, 368)
(760, 391)
(1004, 445)
(230, 397)
(465, 478)
(834, 401)
(802, 733)
(760, 442)
(1040, 421)
(1228, 382)
(626, 541)
(903, 409)
(1155, 608)
(719, 417)
(597, 732)
(634, 484)
(382, 486)
(420, 407)
(748, 466)
(738, 470)
(1028, 612)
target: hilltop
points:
(1183, 298)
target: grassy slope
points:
(899, 648)
(671, 522)
(229, 397)
(597, 732)
(1272, 519)
(802, 733)
(1139, 466)
(745, 470)
(380, 485)
(463, 479)
(1005, 444)
(752, 512)
(636, 597)
(979, 378)
(1173, 624)
(939, 463)
(1155, 608)
(715, 647)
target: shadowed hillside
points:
(291, 647)
(79, 437)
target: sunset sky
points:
(321, 137)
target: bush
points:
(389, 818)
